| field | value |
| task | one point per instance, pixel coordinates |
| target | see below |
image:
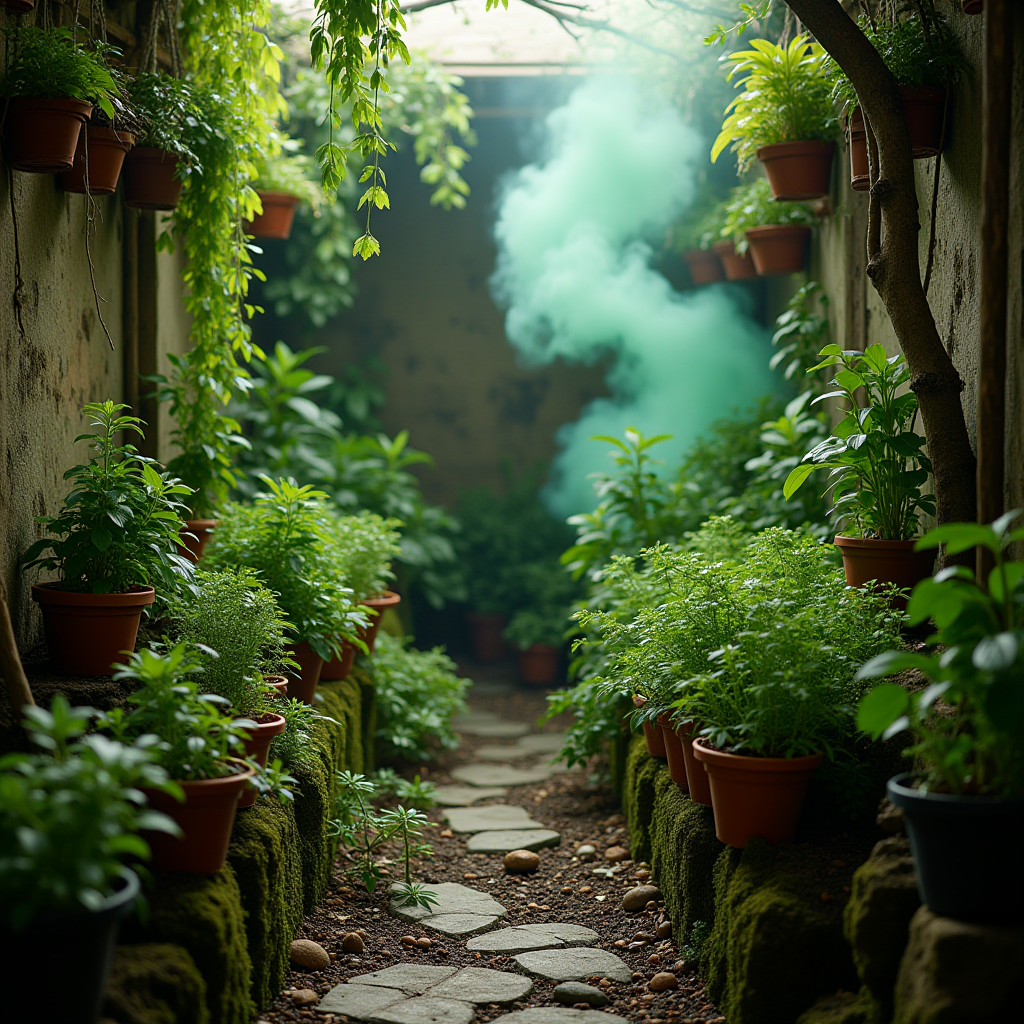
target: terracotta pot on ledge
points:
(705, 266)
(276, 219)
(673, 752)
(193, 546)
(779, 248)
(737, 267)
(257, 746)
(41, 135)
(310, 665)
(798, 170)
(106, 152)
(885, 561)
(655, 740)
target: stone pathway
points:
(459, 910)
(466, 796)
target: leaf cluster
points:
(290, 172)
(367, 544)
(174, 119)
(753, 206)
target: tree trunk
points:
(893, 261)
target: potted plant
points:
(287, 536)
(925, 62)
(283, 183)
(964, 806)
(70, 816)
(113, 540)
(783, 117)
(51, 86)
(877, 468)
(777, 234)
(537, 636)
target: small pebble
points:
(643, 937)
(424, 943)
(654, 958)
(584, 889)
(663, 981)
(408, 940)
(621, 943)
(664, 929)
(353, 943)
(652, 905)
(680, 967)
(634, 946)
(615, 854)
(522, 860)
(586, 852)
(305, 997)
(309, 954)
(566, 890)
(636, 899)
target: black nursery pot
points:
(81, 942)
(967, 852)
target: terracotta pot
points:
(974, 6)
(655, 740)
(42, 135)
(887, 561)
(18, 6)
(779, 248)
(737, 267)
(280, 685)
(87, 633)
(83, 940)
(696, 773)
(257, 746)
(487, 630)
(756, 796)
(673, 752)
(380, 604)
(149, 182)
(206, 818)
(860, 177)
(798, 170)
(705, 267)
(538, 664)
(340, 665)
(276, 219)
(310, 665)
(194, 546)
(107, 149)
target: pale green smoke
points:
(573, 272)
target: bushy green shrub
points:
(368, 544)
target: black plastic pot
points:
(81, 942)
(967, 852)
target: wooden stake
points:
(10, 664)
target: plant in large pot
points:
(287, 536)
(776, 234)
(964, 805)
(784, 117)
(111, 544)
(70, 816)
(877, 468)
(538, 637)
(51, 85)
(283, 183)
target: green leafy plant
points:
(876, 460)
(70, 815)
(786, 98)
(367, 545)
(408, 824)
(800, 333)
(966, 724)
(174, 118)
(289, 172)
(293, 746)
(753, 206)
(120, 523)
(529, 627)
(417, 793)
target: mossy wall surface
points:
(155, 984)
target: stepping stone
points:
(409, 979)
(513, 839)
(543, 742)
(456, 925)
(490, 818)
(427, 1010)
(482, 985)
(514, 752)
(496, 730)
(559, 1015)
(474, 718)
(573, 964)
(500, 775)
(459, 910)
(362, 1002)
(526, 937)
(465, 796)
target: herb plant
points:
(120, 524)
(752, 206)
(966, 724)
(290, 172)
(293, 746)
(173, 116)
(70, 815)
(876, 460)
(367, 544)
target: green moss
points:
(155, 984)
(343, 701)
(840, 1008)
(638, 797)
(265, 857)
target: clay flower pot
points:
(195, 536)
(655, 740)
(276, 219)
(779, 248)
(673, 752)
(756, 796)
(107, 149)
(538, 664)
(340, 665)
(257, 746)
(487, 630)
(798, 170)
(974, 6)
(149, 182)
(737, 267)
(705, 267)
(310, 666)
(280, 685)
(41, 135)
(886, 561)
(696, 773)
(87, 633)
(206, 818)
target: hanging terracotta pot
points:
(705, 267)
(18, 6)
(87, 633)
(41, 135)
(756, 796)
(655, 740)
(107, 148)
(149, 181)
(206, 818)
(195, 536)
(798, 170)
(280, 685)
(673, 752)
(276, 219)
(737, 267)
(538, 664)
(257, 746)
(860, 178)
(974, 6)
(379, 603)
(886, 561)
(310, 665)
(487, 634)
(696, 773)
(779, 248)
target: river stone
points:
(490, 818)
(309, 954)
(571, 992)
(522, 860)
(465, 796)
(516, 839)
(638, 898)
(573, 964)
(526, 937)
(412, 979)
(359, 1001)
(496, 730)
(663, 981)
(560, 1015)
(427, 1010)
(482, 985)
(500, 775)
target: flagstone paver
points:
(506, 841)
(526, 937)
(482, 985)
(427, 1010)
(361, 1002)
(543, 742)
(459, 910)
(559, 1015)
(465, 796)
(490, 818)
(501, 775)
(498, 730)
(412, 979)
(573, 964)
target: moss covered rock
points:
(155, 984)
(841, 1008)
(638, 797)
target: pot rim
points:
(118, 136)
(764, 230)
(278, 198)
(201, 524)
(748, 762)
(873, 544)
(803, 147)
(267, 724)
(385, 599)
(209, 787)
(726, 247)
(902, 794)
(64, 103)
(50, 593)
